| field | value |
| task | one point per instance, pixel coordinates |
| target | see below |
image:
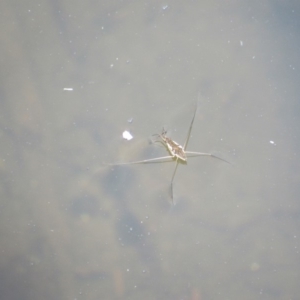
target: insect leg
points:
(193, 154)
(190, 129)
(171, 186)
(140, 161)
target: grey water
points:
(75, 75)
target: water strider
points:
(178, 152)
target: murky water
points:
(74, 76)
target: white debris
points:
(68, 89)
(127, 135)
(273, 143)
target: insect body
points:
(174, 148)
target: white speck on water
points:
(68, 89)
(127, 135)
(130, 120)
(273, 143)
(241, 43)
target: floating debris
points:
(127, 135)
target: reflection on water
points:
(69, 232)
